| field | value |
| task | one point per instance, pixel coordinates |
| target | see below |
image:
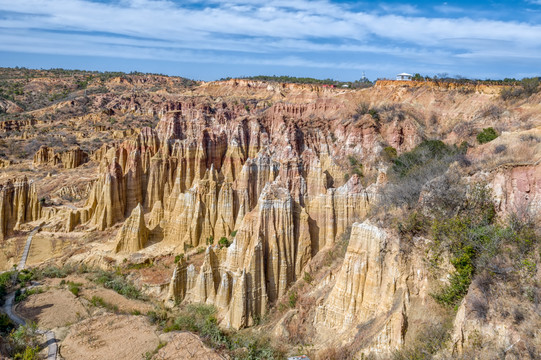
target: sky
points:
(208, 40)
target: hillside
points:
(272, 219)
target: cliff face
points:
(374, 289)
(254, 183)
(133, 235)
(70, 159)
(271, 188)
(518, 190)
(18, 204)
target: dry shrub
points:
(511, 148)
(518, 316)
(484, 282)
(491, 111)
(334, 353)
(299, 326)
(479, 306)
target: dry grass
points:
(517, 148)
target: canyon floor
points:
(243, 219)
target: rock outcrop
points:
(4, 163)
(518, 190)
(273, 189)
(134, 234)
(18, 204)
(70, 159)
(46, 156)
(374, 290)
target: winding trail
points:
(22, 263)
(10, 302)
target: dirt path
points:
(22, 263)
(8, 309)
(49, 335)
(10, 301)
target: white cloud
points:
(280, 28)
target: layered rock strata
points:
(18, 204)
(70, 159)
(373, 290)
(274, 190)
(134, 234)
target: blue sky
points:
(211, 39)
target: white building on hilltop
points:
(404, 76)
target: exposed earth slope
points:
(320, 219)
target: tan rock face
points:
(134, 234)
(268, 167)
(44, 156)
(4, 163)
(18, 204)
(272, 188)
(70, 158)
(374, 289)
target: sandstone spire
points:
(133, 235)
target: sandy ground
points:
(44, 247)
(11, 251)
(5, 264)
(112, 297)
(110, 336)
(53, 308)
(186, 346)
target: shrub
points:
(5, 282)
(5, 324)
(518, 316)
(390, 153)
(157, 317)
(292, 301)
(29, 353)
(416, 224)
(475, 240)
(25, 276)
(22, 295)
(74, 288)
(233, 233)
(427, 343)
(53, 272)
(201, 319)
(375, 115)
(223, 242)
(413, 169)
(100, 302)
(530, 85)
(499, 149)
(487, 135)
(484, 282)
(118, 283)
(460, 279)
(178, 257)
(422, 154)
(479, 306)
(361, 110)
(25, 341)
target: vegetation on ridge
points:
(362, 83)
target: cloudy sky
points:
(338, 39)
